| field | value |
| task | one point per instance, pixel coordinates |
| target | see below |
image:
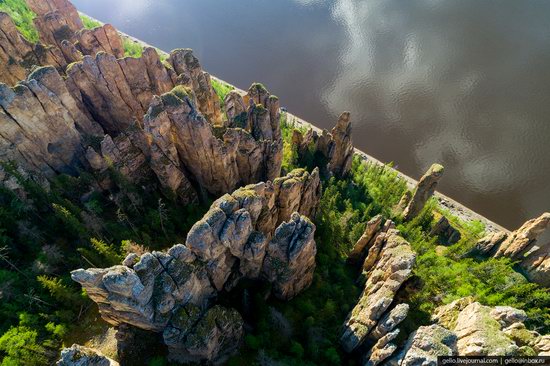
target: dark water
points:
(464, 82)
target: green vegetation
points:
(46, 234)
(132, 48)
(89, 23)
(222, 89)
(22, 17)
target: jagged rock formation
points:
(41, 124)
(236, 110)
(422, 193)
(446, 232)
(81, 356)
(171, 292)
(100, 39)
(361, 248)
(425, 345)
(391, 265)
(56, 20)
(523, 245)
(333, 149)
(489, 331)
(191, 75)
(18, 56)
(218, 165)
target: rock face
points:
(360, 249)
(18, 56)
(488, 331)
(100, 39)
(340, 163)
(250, 233)
(56, 20)
(81, 356)
(523, 245)
(425, 345)
(41, 124)
(423, 192)
(118, 92)
(333, 149)
(191, 75)
(392, 265)
(218, 165)
(447, 234)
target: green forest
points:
(47, 232)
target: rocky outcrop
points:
(425, 345)
(333, 152)
(214, 335)
(236, 110)
(81, 356)
(392, 265)
(361, 248)
(445, 231)
(118, 92)
(488, 331)
(340, 163)
(523, 245)
(18, 56)
(41, 124)
(191, 75)
(249, 233)
(290, 257)
(100, 39)
(423, 192)
(218, 165)
(56, 20)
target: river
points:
(465, 83)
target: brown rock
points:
(522, 238)
(101, 39)
(423, 192)
(190, 74)
(446, 232)
(340, 163)
(236, 110)
(536, 264)
(489, 243)
(364, 243)
(56, 20)
(393, 266)
(82, 356)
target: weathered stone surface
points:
(536, 264)
(18, 56)
(82, 356)
(40, 124)
(425, 345)
(104, 38)
(364, 243)
(56, 20)
(290, 257)
(393, 266)
(217, 165)
(191, 75)
(541, 345)
(213, 336)
(522, 238)
(236, 110)
(479, 333)
(118, 92)
(489, 243)
(423, 191)
(340, 163)
(446, 315)
(446, 232)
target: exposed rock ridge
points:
(524, 246)
(41, 124)
(18, 56)
(171, 292)
(373, 321)
(335, 149)
(413, 204)
(82, 356)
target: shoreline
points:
(455, 207)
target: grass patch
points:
(22, 17)
(222, 89)
(90, 23)
(132, 48)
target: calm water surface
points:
(462, 82)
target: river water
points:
(462, 82)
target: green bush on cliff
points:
(22, 17)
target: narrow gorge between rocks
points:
(153, 214)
